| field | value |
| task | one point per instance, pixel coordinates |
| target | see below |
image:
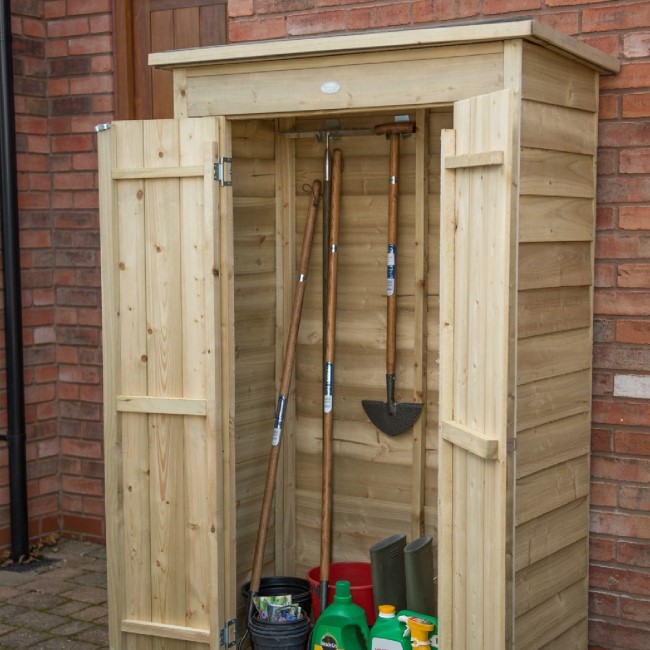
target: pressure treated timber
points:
(472, 441)
(540, 581)
(157, 392)
(389, 40)
(475, 219)
(162, 405)
(174, 632)
(553, 618)
(238, 93)
(543, 218)
(546, 534)
(495, 284)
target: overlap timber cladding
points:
(556, 233)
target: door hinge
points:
(220, 171)
(511, 444)
(228, 634)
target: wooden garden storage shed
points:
(495, 283)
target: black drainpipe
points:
(12, 301)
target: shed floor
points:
(60, 603)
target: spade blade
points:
(392, 424)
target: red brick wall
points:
(64, 87)
(63, 81)
(80, 96)
(620, 520)
(37, 256)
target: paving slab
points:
(58, 604)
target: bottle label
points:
(327, 642)
(390, 270)
(385, 644)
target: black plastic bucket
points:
(282, 586)
(292, 635)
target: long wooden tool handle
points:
(289, 356)
(330, 353)
(391, 279)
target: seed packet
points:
(284, 613)
(265, 604)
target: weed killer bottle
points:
(388, 633)
(343, 625)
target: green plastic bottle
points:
(388, 633)
(343, 625)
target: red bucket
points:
(358, 574)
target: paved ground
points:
(59, 605)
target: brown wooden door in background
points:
(144, 26)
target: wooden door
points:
(166, 406)
(476, 373)
(149, 26)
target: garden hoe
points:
(391, 417)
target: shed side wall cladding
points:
(255, 240)
(558, 148)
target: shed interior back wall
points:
(378, 489)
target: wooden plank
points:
(164, 631)
(113, 436)
(548, 444)
(164, 374)
(196, 248)
(548, 355)
(550, 78)
(472, 441)
(542, 311)
(255, 177)
(254, 139)
(479, 159)
(556, 173)
(166, 172)
(575, 637)
(554, 398)
(263, 91)
(224, 597)
(557, 128)
(161, 405)
(544, 535)
(555, 616)
(558, 264)
(132, 348)
(540, 581)
(358, 523)
(420, 324)
(366, 177)
(389, 40)
(359, 479)
(555, 219)
(360, 441)
(560, 485)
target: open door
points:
(166, 292)
(476, 373)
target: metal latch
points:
(220, 171)
(228, 634)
